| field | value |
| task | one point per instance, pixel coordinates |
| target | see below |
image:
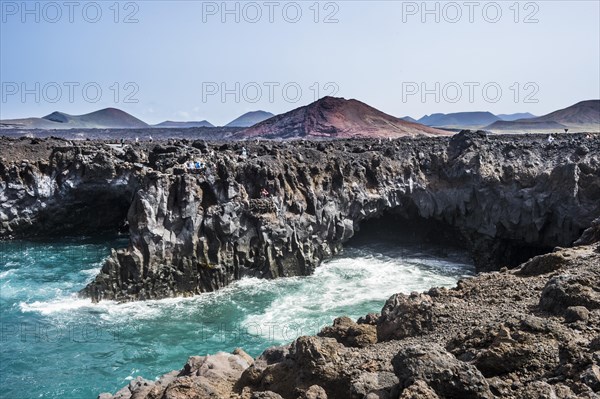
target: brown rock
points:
(349, 333)
(419, 390)
(576, 313)
(568, 290)
(542, 264)
(371, 318)
(591, 377)
(405, 316)
(317, 355)
(507, 354)
(265, 395)
(445, 374)
(314, 392)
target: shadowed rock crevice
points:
(404, 224)
(90, 212)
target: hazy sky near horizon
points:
(195, 60)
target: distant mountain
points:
(29, 123)
(583, 116)
(250, 119)
(459, 119)
(108, 118)
(104, 118)
(184, 124)
(582, 113)
(525, 124)
(332, 117)
(409, 119)
(514, 117)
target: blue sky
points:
(175, 60)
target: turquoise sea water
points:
(55, 345)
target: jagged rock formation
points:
(196, 233)
(531, 332)
(508, 197)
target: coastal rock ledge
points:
(505, 198)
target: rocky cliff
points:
(53, 187)
(506, 197)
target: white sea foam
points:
(278, 310)
(342, 285)
(90, 274)
(66, 305)
(58, 305)
(7, 273)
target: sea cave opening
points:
(90, 212)
(396, 228)
(404, 227)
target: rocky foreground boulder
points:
(531, 332)
(505, 198)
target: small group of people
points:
(137, 140)
(198, 165)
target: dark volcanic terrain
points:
(505, 198)
(525, 332)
